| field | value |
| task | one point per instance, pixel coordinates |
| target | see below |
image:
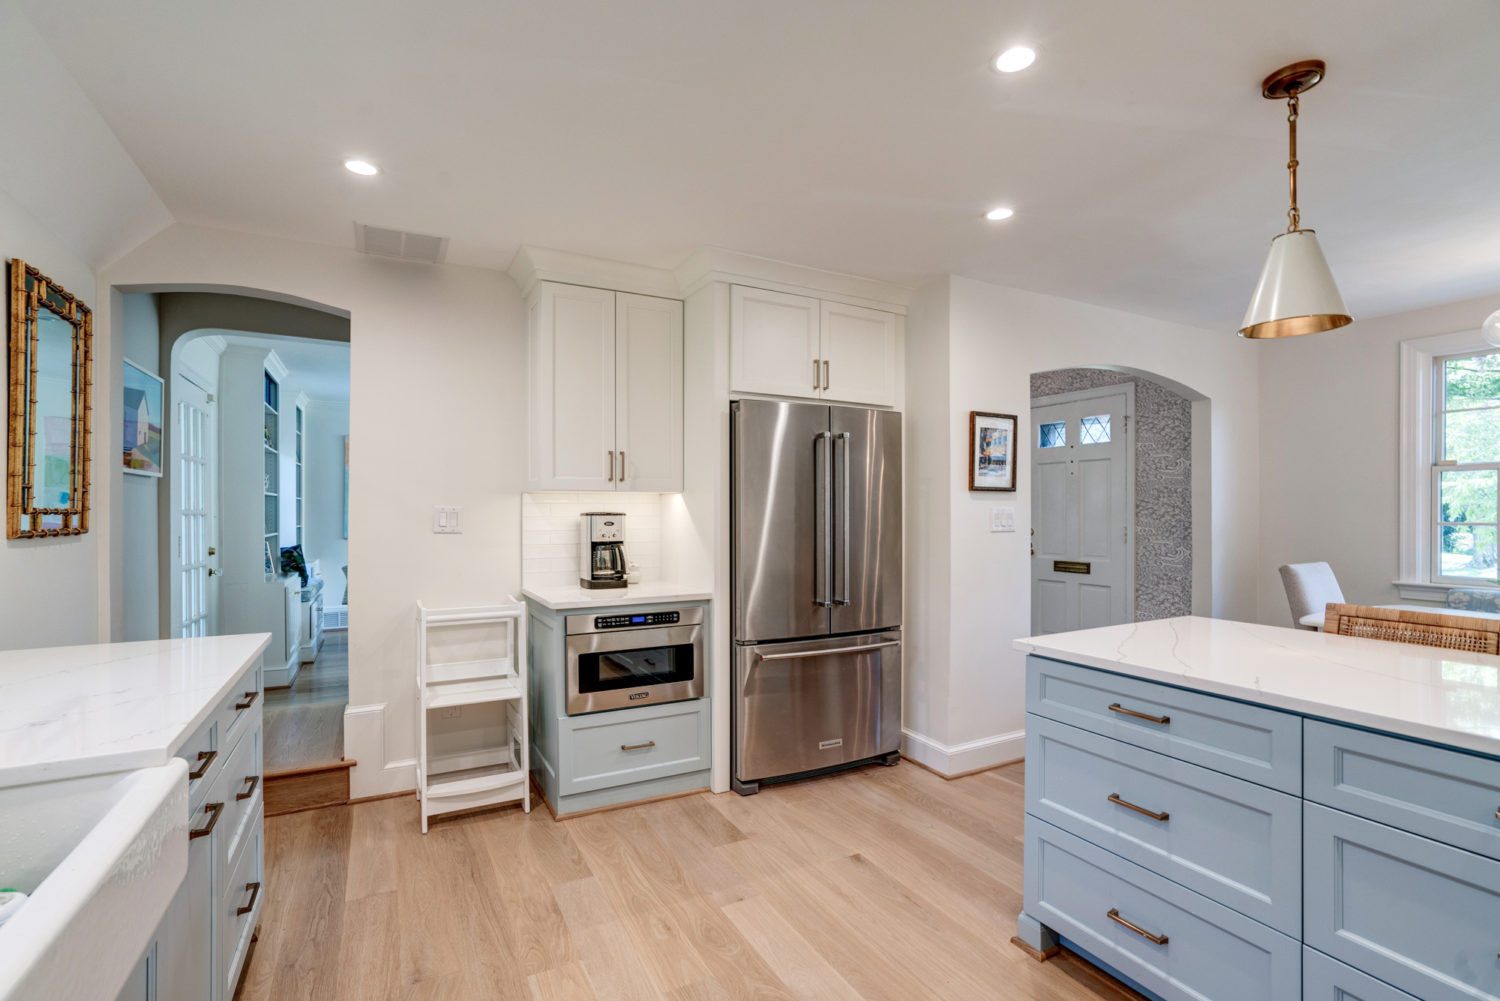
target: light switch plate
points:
(1003, 519)
(447, 520)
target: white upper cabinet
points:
(859, 348)
(794, 345)
(605, 390)
(773, 343)
(648, 392)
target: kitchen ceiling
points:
(866, 136)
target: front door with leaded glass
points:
(1082, 542)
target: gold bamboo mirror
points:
(47, 456)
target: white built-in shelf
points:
(472, 658)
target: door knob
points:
(212, 551)
(212, 572)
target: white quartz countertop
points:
(1444, 696)
(66, 712)
(561, 599)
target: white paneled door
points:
(1082, 545)
(193, 478)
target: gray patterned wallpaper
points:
(1163, 486)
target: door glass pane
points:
(1472, 436)
(1053, 434)
(1469, 551)
(1467, 495)
(1094, 430)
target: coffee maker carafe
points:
(602, 555)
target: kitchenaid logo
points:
(641, 695)
(824, 745)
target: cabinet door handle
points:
(1114, 798)
(637, 747)
(208, 828)
(1114, 915)
(254, 889)
(611, 465)
(254, 781)
(249, 698)
(825, 373)
(1117, 708)
(815, 374)
(622, 465)
(205, 759)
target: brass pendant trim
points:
(1296, 326)
(1300, 76)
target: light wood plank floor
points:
(304, 723)
(886, 884)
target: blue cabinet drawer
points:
(1325, 979)
(1419, 915)
(623, 746)
(1231, 840)
(1206, 950)
(1249, 742)
(1445, 795)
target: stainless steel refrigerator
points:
(816, 565)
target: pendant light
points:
(1296, 294)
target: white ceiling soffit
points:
(858, 136)
(60, 161)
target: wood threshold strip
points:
(330, 766)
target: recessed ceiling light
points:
(995, 215)
(363, 167)
(1015, 59)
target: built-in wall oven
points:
(619, 659)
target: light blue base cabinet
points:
(1204, 848)
(612, 757)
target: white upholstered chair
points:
(1310, 587)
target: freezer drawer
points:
(813, 704)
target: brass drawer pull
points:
(249, 698)
(815, 373)
(207, 829)
(1114, 915)
(1117, 708)
(611, 465)
(825, 373)
(205, 759)
(254, 781)
(254, 889)
(1114, 798)
(637, 747)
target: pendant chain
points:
(1294, 217)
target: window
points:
(1466, 468)
(1094, 430)
(1053, 434)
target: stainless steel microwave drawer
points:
(1250, 742)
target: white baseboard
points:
(957, 759)
(284, 676)
(364, 741)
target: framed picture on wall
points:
(992, 451)
(141, 451)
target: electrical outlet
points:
(453, 712)
(1003, 519)
(447, 520)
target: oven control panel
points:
(637, 619)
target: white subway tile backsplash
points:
(551, 538)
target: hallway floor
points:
(304, 724)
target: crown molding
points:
(539, 264)
(276, 366)
(714, 264)
(216, 342)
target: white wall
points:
(437, 374)
(49, 587)
(1329, 432)
(552, 540)
(139, 602)
(327, 422)
(996, 337)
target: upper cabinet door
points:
(648, 393)
(859, 348)
(773, 343)
(571, 388)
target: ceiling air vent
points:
(395, 243)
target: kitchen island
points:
(1232, 811)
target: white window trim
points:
(1418, 406)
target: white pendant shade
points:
(1296, 294)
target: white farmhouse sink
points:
(101, 857)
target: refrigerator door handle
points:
(841, 452)
(806, 654)
(823, 475)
